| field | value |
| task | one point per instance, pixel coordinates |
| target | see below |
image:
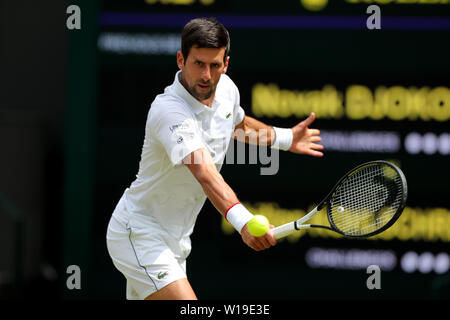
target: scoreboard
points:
(378, 94)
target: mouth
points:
(203, 86)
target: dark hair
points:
(204, 33)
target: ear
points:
(227, 61)
(180, 60)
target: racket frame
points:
(290, 227)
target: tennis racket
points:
(365, 202)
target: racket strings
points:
(367, 200)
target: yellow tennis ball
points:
(258, 226)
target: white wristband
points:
(238, 216)
(283, 138)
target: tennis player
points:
(188, 130)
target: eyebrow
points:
(214, 62)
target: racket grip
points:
(283, 230)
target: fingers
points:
(310, 119)
(314, 153)
(306, 140)
(316, 146)
(264, 242)
(259, 243)
(314, 132)
(270, 236)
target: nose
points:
(206, 74)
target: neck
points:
(208, 102)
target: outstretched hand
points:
(304, 139)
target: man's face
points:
(201, 71)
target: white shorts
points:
(147, 255)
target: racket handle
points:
(284, 230)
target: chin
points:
(203, 97)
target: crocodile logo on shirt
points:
(228, 115)
(162, 275)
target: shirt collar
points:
(181, 91)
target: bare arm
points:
(220, 193)
(255, 132)
(304, 139)
(216, 189)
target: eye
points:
(198, 63)
(215, 65)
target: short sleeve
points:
(239, 115)
(239, 112)
(178, 132)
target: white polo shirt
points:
(178, 124)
